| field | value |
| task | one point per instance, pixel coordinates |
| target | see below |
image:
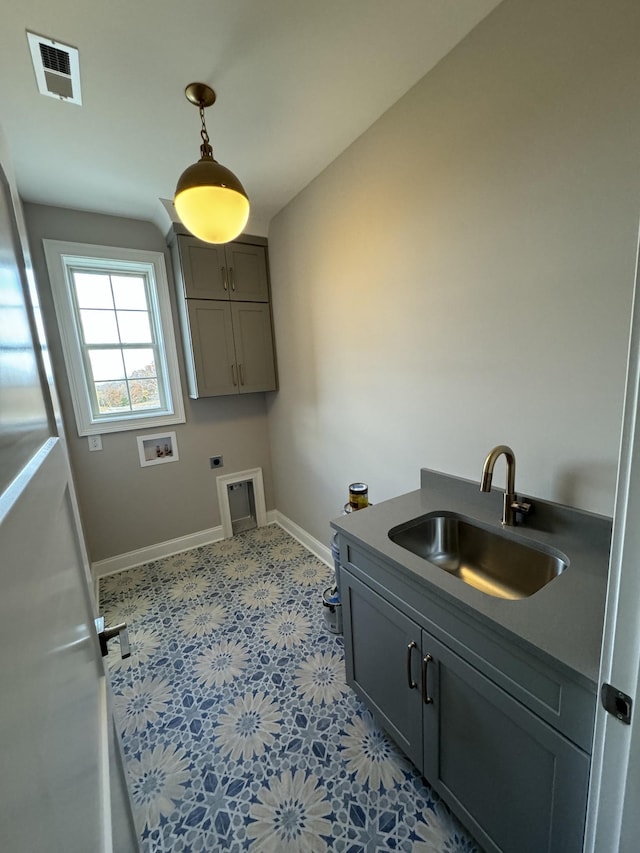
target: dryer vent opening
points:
(241, 501)
(242, 506)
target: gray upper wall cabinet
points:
(225, 315)
(235, 271)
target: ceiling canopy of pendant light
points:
(210, 201)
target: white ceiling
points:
(297, 81)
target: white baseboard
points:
(322, 552)
(122, 562)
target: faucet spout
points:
(489, 463)
(511, 504)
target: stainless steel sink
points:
(495, 563)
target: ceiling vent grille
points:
(55, 59)
(57, 68)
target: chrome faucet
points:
(511, 503)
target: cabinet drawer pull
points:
(233, 374)
(426, 660)
(412, 684)
(241, 373)
(232, 279)
(223, 272)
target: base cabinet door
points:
(519, 785)
(382, 656)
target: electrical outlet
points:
(95, 442)
(215, 461)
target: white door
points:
(613, 822)
(62, 784)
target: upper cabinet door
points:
(254, 347)
(247, 272)
(204, 269)
(215, 370)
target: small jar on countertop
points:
(358, 496)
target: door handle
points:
(233, 374)
(412, 684)
(232, 279)
(105, 634)
(223, 272)
(241, 373)
(426, 660)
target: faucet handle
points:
(522, 507)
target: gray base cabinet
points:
(517, 783)
(225, 316)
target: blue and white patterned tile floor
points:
(238, 729)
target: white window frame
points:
(60, 257)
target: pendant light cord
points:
(206, 150)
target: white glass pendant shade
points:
(211, 202)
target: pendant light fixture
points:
(210, 201)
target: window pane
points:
(99, 327)
(144, 394)
(139, 363)
(112, 397)
(134, 327)
(129, 292)
(92, 290)
(106, 364)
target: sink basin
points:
(496, 563)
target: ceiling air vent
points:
(57, 68)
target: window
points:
(114, 317)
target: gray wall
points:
(124, 506)
(462, 275)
